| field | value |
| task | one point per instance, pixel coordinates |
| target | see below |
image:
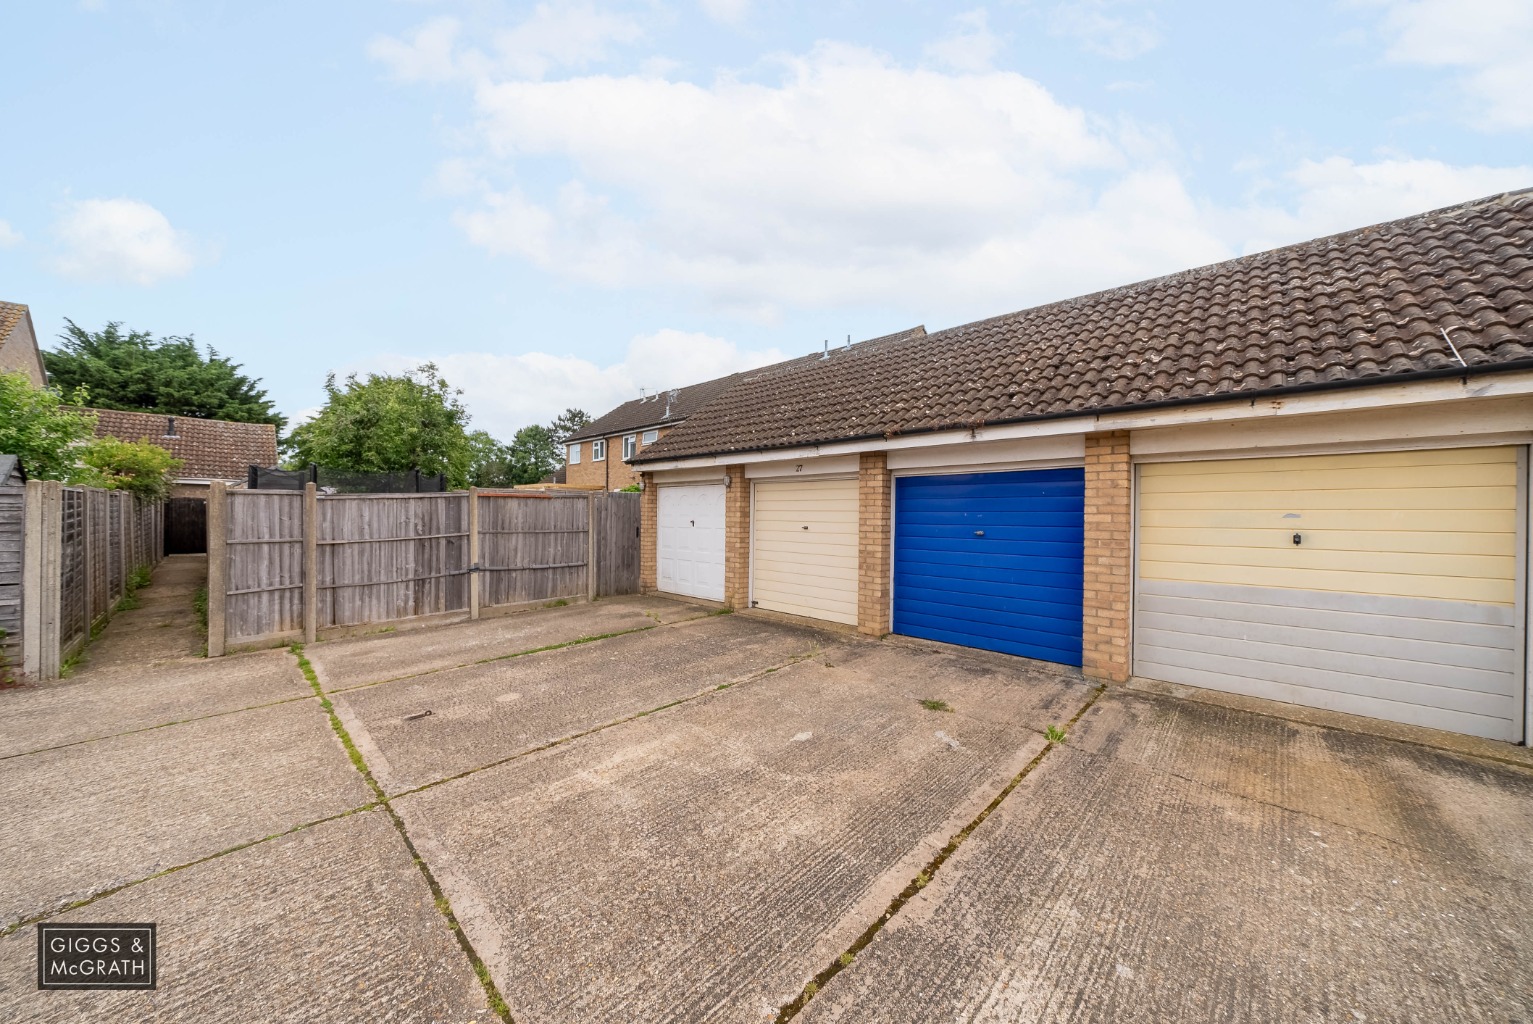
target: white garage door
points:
(1383, 584)
(805, 557)
(690, 540)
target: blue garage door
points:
(992, 560)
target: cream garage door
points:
(804, 559)
(690, 540)
(1383, 584)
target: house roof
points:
(10, 465)
(668, 408)
(208, 449)
(1363, 307)
(11, 314)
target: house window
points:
(651, 436)
(599, 450)
(574, 455)
(630, 443)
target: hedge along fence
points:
(285, 565)
(77, 546)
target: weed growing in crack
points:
(1054, 734)
(936, 705)
(846, 959)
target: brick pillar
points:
(1109, 547)
(874, 491)
(737, 539)
(649, 517)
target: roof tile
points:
(1357, 308)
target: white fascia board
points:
(1235, 409)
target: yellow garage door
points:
(1383, 584)
(804, 556)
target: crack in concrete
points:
(161, 725)
(101, 894)
(795, 1006)
(577, 642)
(613, 723)
(444, 907)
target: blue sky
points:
(561, 203)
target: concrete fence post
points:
(591, 577)
(32, 579)
(218, 566)
(474, 548)
(310, 562)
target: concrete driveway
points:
(636, 810)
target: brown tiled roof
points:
(1363, 307)
(208, 449)
(11, 314)
(669, 408)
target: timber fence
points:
(76, 548)
(293, 565)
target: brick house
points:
(599, 455)
(18, 344)
(208, 449)
(1300, 475)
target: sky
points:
(565, 202)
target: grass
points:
(1054, 734)
(936, 705)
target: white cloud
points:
(424, 55)
(560, 34)
(9, 236)
(1337, 194)
(849, 179)
(120, 240)
(1488, 41)
(730, 12)
(1118, 29)
(844, 178)
(970, 46)
(507, 392)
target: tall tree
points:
(493, 462)
(534, 454)
(134, 370)
(389, 424)
(566, 423)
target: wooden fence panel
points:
(116, 578)
(12, 534)
(264, 556)
(391, 556)
(617, 543)
(73, 579)
(532, 548)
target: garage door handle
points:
(979, 533)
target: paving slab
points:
(330, 924)
(81, 819)
(1137, 875)
(485, 713)
(93, 705)
(163, 628)
(703, 862)
(370, 659)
